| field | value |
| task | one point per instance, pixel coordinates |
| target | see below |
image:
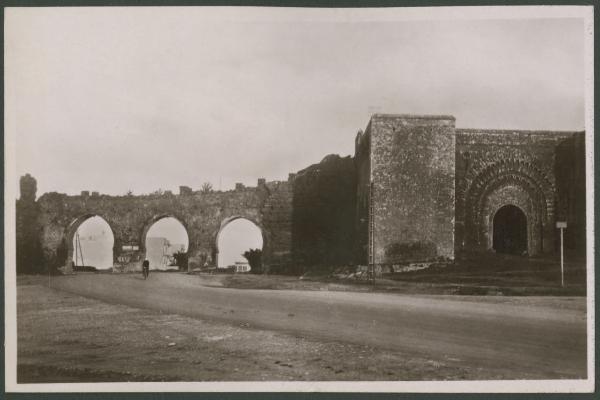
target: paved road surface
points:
(542, 335)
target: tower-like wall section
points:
(29, 257)
(412, 174)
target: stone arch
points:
(72, 229)
(501, 184)
(154, 220)
(226, 222)
(513, 194)
(515, 241)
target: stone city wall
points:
(202, 214)
(417, 190)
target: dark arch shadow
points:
(510, 230)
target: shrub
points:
(207, 187)
(254, 257)
(181, 259)
(408, 251)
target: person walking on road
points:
(146, 268)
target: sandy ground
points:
(68, 338)
(465, 337)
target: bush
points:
(207, 187)
(181, 259)
(254, 257)
(409, 251)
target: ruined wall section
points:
(412, 169)
(493, 167)
(323, 216)
(202, 214)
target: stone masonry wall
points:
(202, 214)
(277, 219)
(412, 170)
(496, 167)
(324, 207)
(362, 162)
(28, 245)
(571, 187)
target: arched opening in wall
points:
(92, 245)
(236, 237)
(510, 230)
(166, 244)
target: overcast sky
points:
(119, 99)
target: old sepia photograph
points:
(299, 199)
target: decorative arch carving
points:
(527, 179)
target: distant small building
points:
(242, 266)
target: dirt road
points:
(545, 335)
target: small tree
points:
(254, 257)
(181, 259)
(207, 187)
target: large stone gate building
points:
(417, 189)
(427, 189)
